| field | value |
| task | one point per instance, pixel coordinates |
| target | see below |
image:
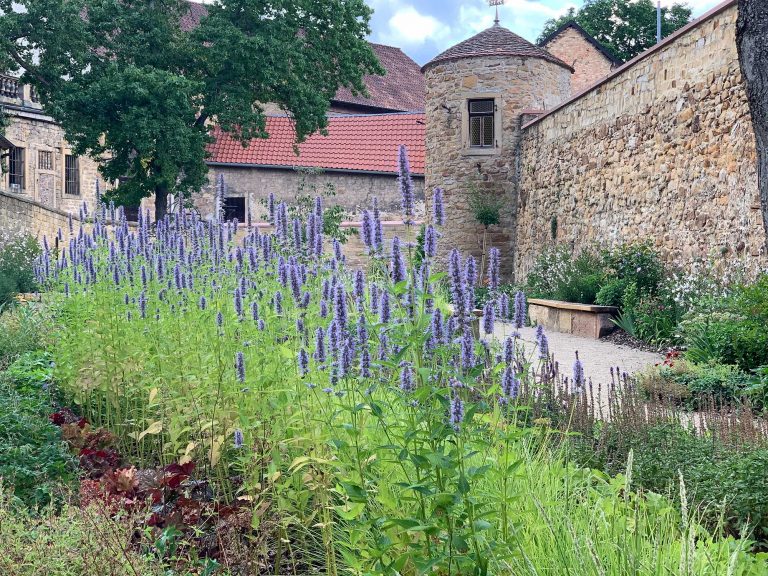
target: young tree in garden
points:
(140, 92)
(752, 43)
(625, 27)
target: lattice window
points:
(45, 160)
(481, 123)
(72, 175)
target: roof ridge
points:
(587, 36)
(495, 41)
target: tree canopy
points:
(139, 92)
(624, 27)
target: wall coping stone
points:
(703, 19)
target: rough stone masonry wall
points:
(353, 191)
(518, 84)
(663, 151)
(588, 63)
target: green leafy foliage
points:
(34, 462)
(134, 89)
(725, 483)
(17, 255)
(697, 385)
(486, 207)
(734, 332)
(558, 274)
(21, 331)
(625, 28)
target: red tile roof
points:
(494, 41)
(402, 88)
(354, 143)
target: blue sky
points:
(424, 28)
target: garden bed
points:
(586, 320)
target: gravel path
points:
(597, 356)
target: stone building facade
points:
(38, 163)
(661, 149)
(476, 93)
(588, 58)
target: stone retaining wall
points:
(662, 150)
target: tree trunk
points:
(752, 43)
(161, 201)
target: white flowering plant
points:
(18, 251)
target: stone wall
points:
(663, 150)
(22, 214)
(353, 191)
(588, 63)
(516, 84)
(36, 133)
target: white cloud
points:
(526, 17)
(408, 27)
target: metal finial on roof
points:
(496, 3)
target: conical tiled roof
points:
(494, 41)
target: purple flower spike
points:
(578, 372)
(509, 351)
(493, 269)
(520, 310)
(471, 271)
(320, 346)
(255, 311)
(367, 229)
(239, 439)
(504, 306)
(360, 285)
(219, 319)
(278, 301)
(542, 343)
(467, 350)
(303, 362)
(398, 264)
(240, 367)
(271, 208)
(457, 412)
(430, 242)
(510, 385)
(365, 363)
(405, 183)
(436, 326)
(385, 313)
(488, 318)
(406, 377)
(439, 212)
(378, 232)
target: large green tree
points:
(625, 27)
(139, 92)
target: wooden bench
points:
(587, 320)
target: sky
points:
(424, 28)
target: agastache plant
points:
(405, 182)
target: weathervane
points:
(496, 3)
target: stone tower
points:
(477, 93)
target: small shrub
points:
(17, 255)
(560, 275)
(612, 292)
(21, 331)
(33, 459)
(696, 385)
(636, 263)
(725, 484)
